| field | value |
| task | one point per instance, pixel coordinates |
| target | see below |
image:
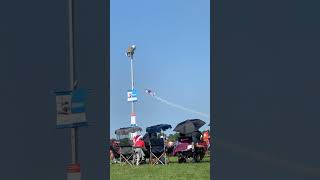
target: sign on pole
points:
(133, 119)
(71, 108)
(132, 95)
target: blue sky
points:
(172, 58)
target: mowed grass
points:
(172, 171)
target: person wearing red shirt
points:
(138, 142)
(138, 145)
(206, 136)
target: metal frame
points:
(126, 160)
(123, 159)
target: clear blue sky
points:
(172, 58)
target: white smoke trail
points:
(180, 107)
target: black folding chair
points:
(126, 151)
(157, 149)
(157, 146)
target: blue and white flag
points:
(132, 95)
(71, 108)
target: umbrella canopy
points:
(127, 130)
(158, 128)
(189, 126)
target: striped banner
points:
(71, 108)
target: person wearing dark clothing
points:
(196, 136)
(114, 151)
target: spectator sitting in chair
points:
(206, 138)
(114, 151)
(196, 137)
(138, 145)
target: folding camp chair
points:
(156, 144)
(126, 151)
(157, 150)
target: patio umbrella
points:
(189, 126)
(127, 130)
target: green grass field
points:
(172, 171)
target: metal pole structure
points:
(132, 86)
(132, 103)
(74, 155)
(74, 172)
(129, 54)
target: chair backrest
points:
(157, 145)
(125, 142)
(126, 146)
(157, 142)
(126, 150)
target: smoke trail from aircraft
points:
(153, 94)
(180, 107)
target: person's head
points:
(170, 144)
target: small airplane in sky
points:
(149, 92)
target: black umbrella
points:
(189, 126)
(127, 130)
(158, 128)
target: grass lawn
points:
(172, 171)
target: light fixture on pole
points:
(130, 51)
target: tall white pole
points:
(132, 85)
(130, 53)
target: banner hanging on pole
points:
(132, 95)
(71, 108)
